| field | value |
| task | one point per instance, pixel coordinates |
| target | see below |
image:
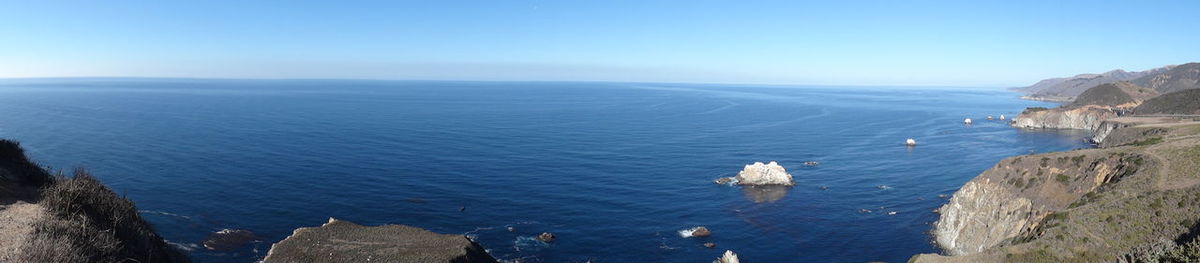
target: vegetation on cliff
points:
(1113, 94)
(1137, 201)
(83, 221)
(1180, 102)
(1182, 77)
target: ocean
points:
(615, 170)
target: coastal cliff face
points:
(1086, 118)
(1136, 199)
(342, 241)
(1011, 198)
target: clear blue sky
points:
(966, 43)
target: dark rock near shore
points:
(701, 232)
(229, 239)
(342, 241)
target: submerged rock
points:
(228, 239)
(764, 174)
(728, 257)
(710, 245)
(723, 180)
(342, 241)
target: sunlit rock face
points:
(1084, 118)
(764, 174)
(979, 216)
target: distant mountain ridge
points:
(1182, 77)
(1066, 89)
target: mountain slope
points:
(1114, 94)
(1067, 88)
(1182, 102)
(1182, 77)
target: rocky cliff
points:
(1089, 110)
(1012, 198)
(342, 241)
(1137, 200)
(1085, 117)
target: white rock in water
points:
(728, 257)
(764, 174)
(967, 121)
(910, 142)
(1001, 116)
(989, 117)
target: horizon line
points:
(510, 81)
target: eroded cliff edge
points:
(1136, 198)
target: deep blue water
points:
(614, 169)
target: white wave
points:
(686, 233)
(152, 212)
(189, 247)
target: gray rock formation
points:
(229, 239)
(764, 174)
(979, 216)
(342, 241)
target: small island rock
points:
(228, 239)
(546, 237)
(701, 232)
(764, 174)
(342, 241)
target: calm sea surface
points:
(614, 169)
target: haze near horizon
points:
(978, 43)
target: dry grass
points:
(85, 221)
(90, 223)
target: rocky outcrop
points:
(229, 239)
(764, 174)
(1011, 199)
(342, 241)
(1086, 118)
(979, 216)
(1104, 129)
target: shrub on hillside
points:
(90, 223)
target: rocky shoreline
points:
(1134, 198)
